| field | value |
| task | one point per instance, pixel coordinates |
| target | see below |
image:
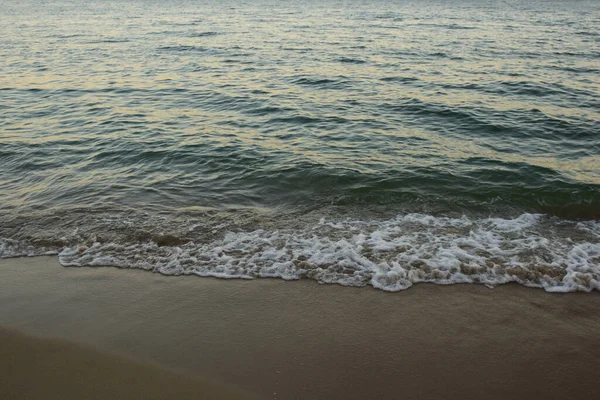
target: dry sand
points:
(273, 339)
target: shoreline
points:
(269, 338)
(392, 255)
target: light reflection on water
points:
(156, 106)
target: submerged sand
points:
(273, 339)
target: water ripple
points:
(396, 108)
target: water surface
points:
(355, 142)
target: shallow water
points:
(337, 141)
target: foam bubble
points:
(391, 255)
(592, 227)
(14, 248)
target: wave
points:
(203, 34)
(403, 79)
(185, 48)
(393, 254)
(108, 40)
(319, 82)
(351, 60)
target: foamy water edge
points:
(533, 250)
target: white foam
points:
(592, 227)
(512, 225)
(390, 255)
(14, 248)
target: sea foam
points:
(532, 249)
(393, 254)
(14, 248)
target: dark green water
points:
(358, 142)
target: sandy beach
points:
(34, 368)
(109, 333)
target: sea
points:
(361, 142)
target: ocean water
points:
(380, 143)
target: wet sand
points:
(34, 368)
(273, 339)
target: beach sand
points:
(272, 339)
(34, 368)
